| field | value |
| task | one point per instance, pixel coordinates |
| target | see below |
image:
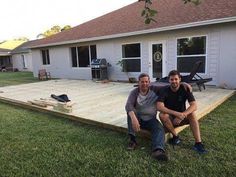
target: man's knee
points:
(164, 117)
(192, 116)
(155, 127)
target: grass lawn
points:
(36, 144)
(14, 78)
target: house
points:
(11, 44)
(182, 35)
(5, 59)
(9, 59)
(22, 57)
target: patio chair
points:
(192, 78)
(43, 74)
(3, 69)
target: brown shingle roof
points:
(128, 19)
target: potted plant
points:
(124, 68)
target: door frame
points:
(164, 60)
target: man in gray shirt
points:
(142, 111)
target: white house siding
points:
(221, 45)
(60, 64)
(211, 52)
(221, 52)
(227, 67)
(112, 51)
(17, 61)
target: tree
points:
(66, 27)
(54, 30)
(22, 39)
(149, 13)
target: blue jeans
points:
(156, 129)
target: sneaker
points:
(159, 154)
(132, 145)
(175, 140)
(198, 147)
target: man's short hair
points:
(174, 73)
(143, 75)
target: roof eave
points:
(5, 54)
(154, 30)
(20, 52)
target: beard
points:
(144, 89)
(174, 85)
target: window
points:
(93, 52)
(74, 57)
(82, 55)
(23, 61)
(189, 51)
(131, 57)
(5, 61)
(45, 57)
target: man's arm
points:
(130, 108)
(156, 88)
(187, 86)
(192, 104)
(192, 107)
(135, 122)
(131, 101)
(161, 107)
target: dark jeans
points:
(156, 129)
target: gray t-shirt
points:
(146, 105)
(143, 106)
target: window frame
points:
(77, 56)
(24, 63)
(132, 58)
(195, 55)
(47, 59)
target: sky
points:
(28, 18)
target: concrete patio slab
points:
(97, 103)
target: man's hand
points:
(177, 121)
(135, 124)
(180, 115)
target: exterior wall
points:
(112, 51)
(220, 43)
(227, 52)
(37, 61)
(18, 62)
(60, 64)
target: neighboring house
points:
(5, 58)
(182, 35)
(22, 57)
(11, 44)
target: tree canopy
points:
(148, 13)
(53, 30)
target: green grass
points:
(37, 144)
(15, 78)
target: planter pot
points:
(132, 80)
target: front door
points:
(157, 60)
